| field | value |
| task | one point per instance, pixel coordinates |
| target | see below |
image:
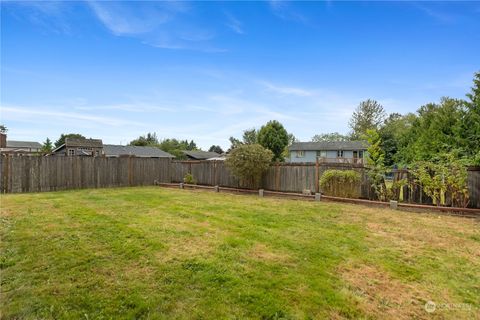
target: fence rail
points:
(38, 174)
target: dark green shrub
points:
(340, 183)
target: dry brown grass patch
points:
(262, 252)
(382, 296)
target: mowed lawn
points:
(158, 253)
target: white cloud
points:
(162, 24)
(442, 16)
(130, 20)
(128, 107)
(49, 16)
(234, 24)
(283, 10)
(287, 90)
(17, 113)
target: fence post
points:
(317, 177)
(260, 192)
(216, 189)
(318, 196)
(393, 204)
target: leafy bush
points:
(444, 182)
(340, 183)
(189, 179)
(248, 162)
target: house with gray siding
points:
(332, 151)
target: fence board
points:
(37, 174)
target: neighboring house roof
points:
(23, 144)
(221, 158)
(334, 145)
(200, 155)
(111, 150)
(80, 142)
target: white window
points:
(322, 154)
(340, 154)
(300, 154)
(96, 153)
(71, 152)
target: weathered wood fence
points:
(37, 174)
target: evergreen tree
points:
(47, 146)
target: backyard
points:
(156, 253)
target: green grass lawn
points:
(159, 253)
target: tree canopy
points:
(150, 139)
(274, 137)
(215, 148)
(330, 137)
(368, 115)
(47, 146)
(170, 145)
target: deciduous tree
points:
(274, 137)
(368, 115)
(330, 137)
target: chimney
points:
(3, 140)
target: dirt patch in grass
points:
(380, 295)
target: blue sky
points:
(209, 70)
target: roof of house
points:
(80, 142)
(221, 158)
(112, 150)
(200, 155)
(23, 144)
(334, 145)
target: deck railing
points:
(341, 160)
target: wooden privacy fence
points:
(36, 174)
(286, 177)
